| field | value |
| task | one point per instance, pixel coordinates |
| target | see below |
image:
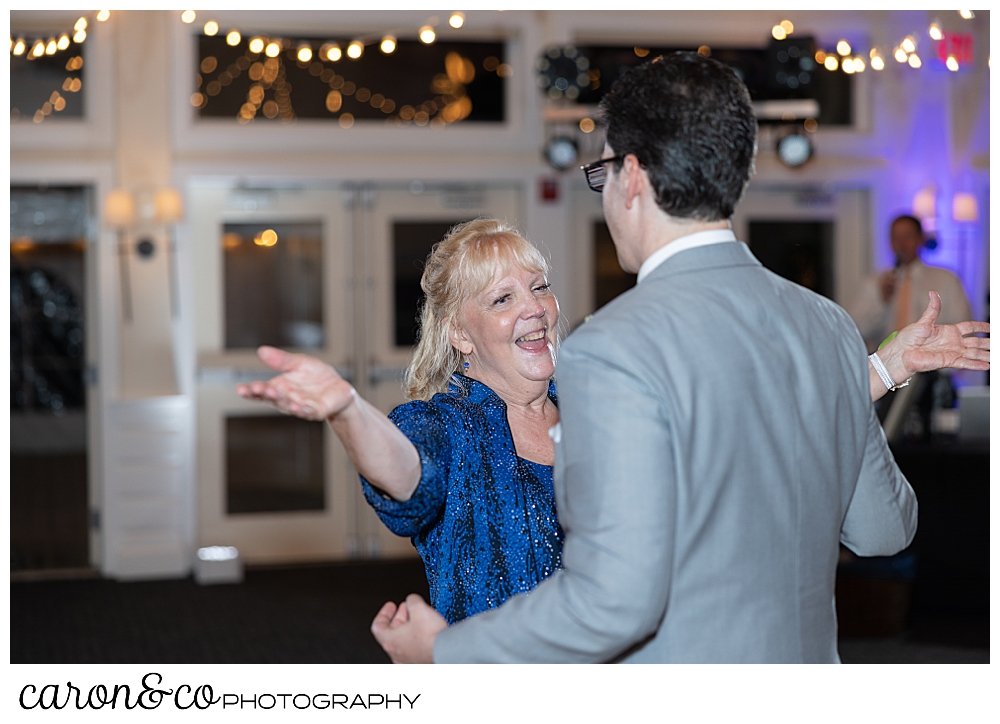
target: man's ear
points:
(635, 179)
(459, 340)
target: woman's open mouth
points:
(534, 342)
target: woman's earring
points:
(466, 366)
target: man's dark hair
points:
(688, 120)
(912, 219)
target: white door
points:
(243, 444)
(846, 210)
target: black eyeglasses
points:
(596, 172)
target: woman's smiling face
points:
(508, 331)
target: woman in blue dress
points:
(465, 468)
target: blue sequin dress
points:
(482, 519)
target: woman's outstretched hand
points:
(925, 346)
(307, 388)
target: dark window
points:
(800, 251)
(274, 285)
(411, 243)
(49, 86)
(754, 66)
(609, 279)
(273, 464)
(446, 82)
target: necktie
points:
(903, 300)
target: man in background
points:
(896, 297)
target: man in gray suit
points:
(717, 438)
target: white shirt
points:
(683, 243)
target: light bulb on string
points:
(877, 62)
(427, 35)
(233, 37)
(304, 53)
(333, 53)
(908, 44)
(900, 55)
(935, 31)
(457, 19)
(914, 61)
(967, 14)
(843, 47)
(63, 42)
(81, 24)
(952, 63)
(787, 26)
(272, 49)
(188, 16)
(355, 50)
(19, 47)
(51, 47)
(37, 49)
(256, 45)
(831, 62)
(778, 33)
(211, 28)
(79, 36)
(103, 15)
(388, 44)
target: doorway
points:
(332, 271)
(49, 459)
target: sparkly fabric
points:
(482, 519)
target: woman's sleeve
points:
(426, 426)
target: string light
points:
(388, 44)
(37, 49)
(211, 28)
(305, 53)
(787, 26)
(79, 36)
(188, 16)
(81, 24)
(831, 62)
(333, 53)
(967, 14)
(233, 37)
(103, 15)
(51, 47)
(272, 49)
(908, 44)
(63, 42)
(900, 55)
(19, 47)
(935, 31)
(877, 62)
(914, 61)
(952, 63)
(355, 49)
(457, 19)
(778, 33)
(843, 47)
(427, 35)
(256, 45)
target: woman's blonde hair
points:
(459, 267)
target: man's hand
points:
(924, 346)
(308, 388)
(407, 632)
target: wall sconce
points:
(965, 207)
(120, 214)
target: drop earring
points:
(465, 365)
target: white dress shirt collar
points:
(683, 243)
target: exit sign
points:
(959, 45)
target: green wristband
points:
(888, 339)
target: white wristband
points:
(883, 373)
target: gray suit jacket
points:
(718, 443)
